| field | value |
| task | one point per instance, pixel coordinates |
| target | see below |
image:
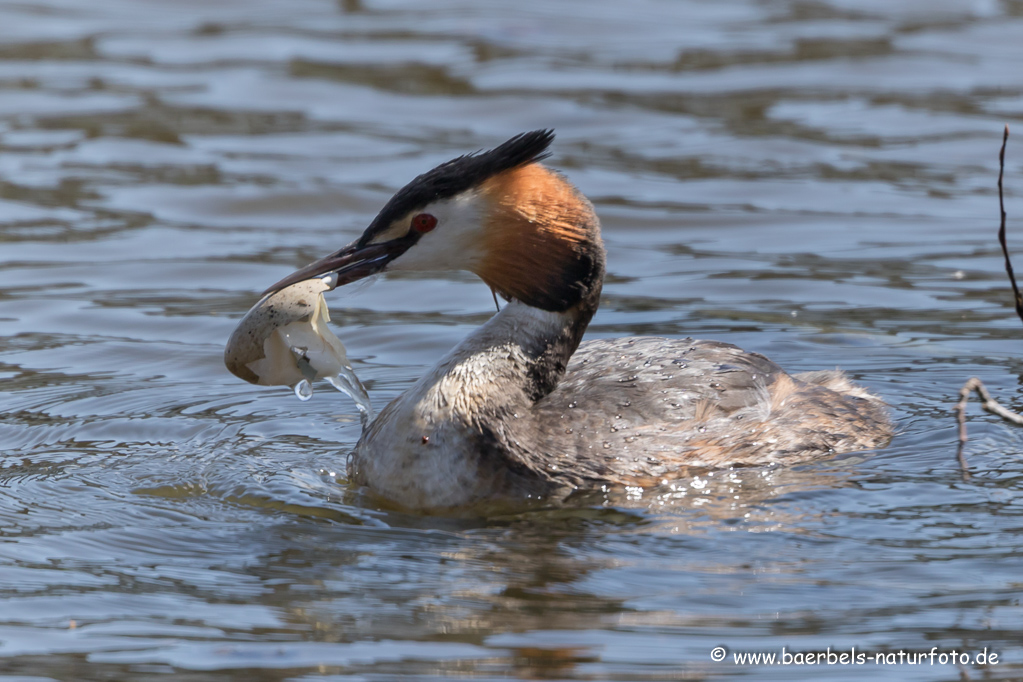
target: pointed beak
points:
(351, 263)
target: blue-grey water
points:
(813, 180)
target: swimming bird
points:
(521, 409)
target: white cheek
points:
(456, 242)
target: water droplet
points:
(572, 404)
(304, 390)
(349, 384)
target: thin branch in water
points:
(960, 410)
(987, 402)
(973, 384)
(1001, 230)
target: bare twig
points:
(1001, 229)
(960, 410)
(986, 401)
(974, 384)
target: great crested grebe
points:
(515, 411)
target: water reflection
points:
(814, 181)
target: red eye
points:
(423, 223)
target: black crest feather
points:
(459, 175)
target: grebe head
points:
(521, 227)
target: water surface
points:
(810, 180)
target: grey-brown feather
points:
(638, 410)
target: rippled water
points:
(811, 180)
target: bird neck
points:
(516, 358)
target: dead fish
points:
(284, 338)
